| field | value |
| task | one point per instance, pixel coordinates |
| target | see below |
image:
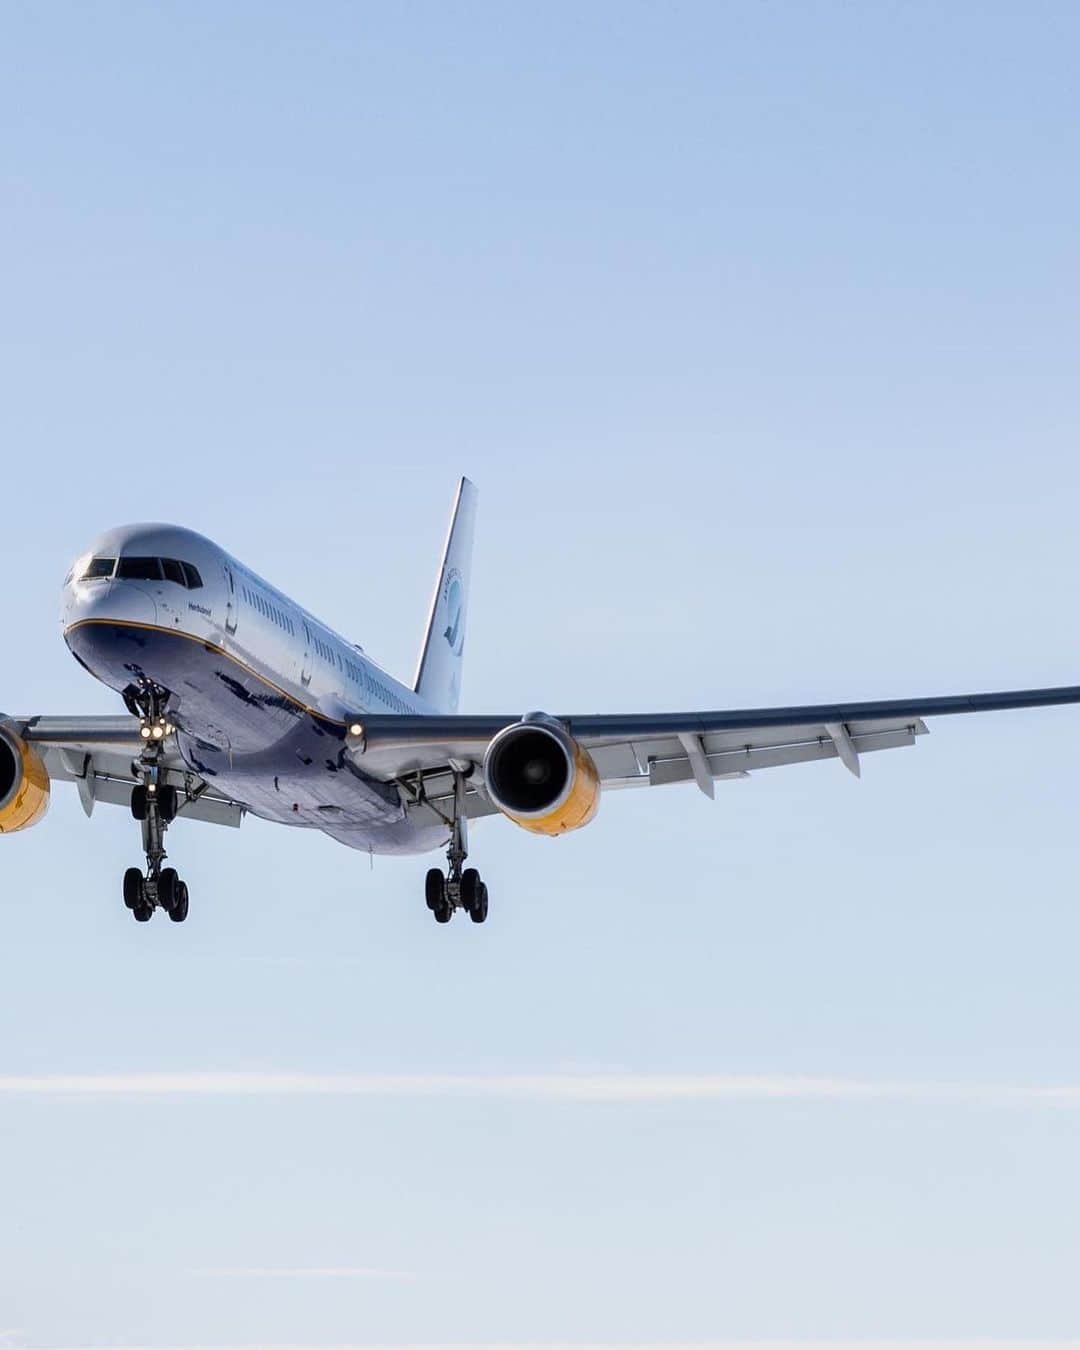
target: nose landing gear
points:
(154, 804)
(458, 889)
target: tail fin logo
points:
(455, 609)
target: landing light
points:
(356, 729)
(144, 732)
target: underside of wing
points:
(651, 760)
(655, 749)
(99, 755)
(654, 761)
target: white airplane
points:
(240, 701)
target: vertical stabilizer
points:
(438, 675)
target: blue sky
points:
(756, 326)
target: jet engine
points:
(538, 775)
(24, 782)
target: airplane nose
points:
(107, 601)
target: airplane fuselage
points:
(260, 691)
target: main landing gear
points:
(444, 894)
(154, 804)
(458, 889)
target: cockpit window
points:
(97, 568)
(146, 569)
(139, 569)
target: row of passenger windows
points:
(357, 674)
(377, 687)
(271, 611)
(323, 648)
(143, 569)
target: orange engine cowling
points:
(24, 783)
(538, 775)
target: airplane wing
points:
(96, 754)
(628, 749)
(655, 749)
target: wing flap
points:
(738, 763)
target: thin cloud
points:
(303, 1273)
(927, 1343)
(614, 1088)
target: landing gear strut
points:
(458, 889)
(154, 804)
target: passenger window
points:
(173, 571)
(139, 569)
(98, 568)
(194, 581)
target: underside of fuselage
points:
(252, 740)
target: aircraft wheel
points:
(444, 913)
(167, 803)
(435, 889)
(470, 889)
(133, 888)
(142, 913)
(179, 911)
(138, 801)
(168, 889)
(479, 911)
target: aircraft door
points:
(305, 671)
(230, 601)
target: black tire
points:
(167, 803)
(470, 889)
(138, 802)
(178, 913)
(133, 888)
(142, 913)
(479, 912)
(443, 913)
(435, 889)
(168, 889)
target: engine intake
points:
(24, 783)
(538, 776)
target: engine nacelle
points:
(538, 775)
(24, 783)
